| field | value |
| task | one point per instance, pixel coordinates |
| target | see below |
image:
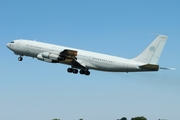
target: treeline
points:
(123, 118)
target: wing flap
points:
(70, 55)
(79, 64)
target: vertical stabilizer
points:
(153, 52)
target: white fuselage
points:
(91, 60)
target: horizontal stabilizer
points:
(150, 67)
(163, 68)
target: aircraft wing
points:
(70, 55)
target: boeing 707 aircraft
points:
(85, 60)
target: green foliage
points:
(124, 118)
(139, 118)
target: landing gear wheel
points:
(87, 73)
(70, 70)
(81, 72)
(20, 58)
(75, 71)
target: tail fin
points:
(152, 53)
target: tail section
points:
(153, 52)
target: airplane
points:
(82, 61)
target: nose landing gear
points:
(20, 58)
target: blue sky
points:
(35, 90)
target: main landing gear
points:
(75, 71)
(20, 58)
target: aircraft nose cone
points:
(7, 45)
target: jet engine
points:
(46, 59)
(50, 55)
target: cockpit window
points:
(12, 41)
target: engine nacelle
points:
(50, 56)
(40, 57)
